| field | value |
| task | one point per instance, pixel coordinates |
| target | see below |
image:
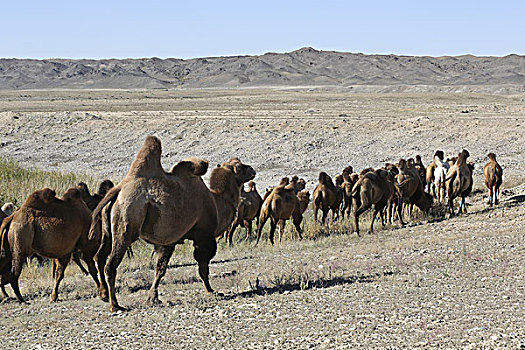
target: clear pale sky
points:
(193, 28)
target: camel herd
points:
(165, 208)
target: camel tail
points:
(96, 216)
(5, 249)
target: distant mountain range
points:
(303, 67)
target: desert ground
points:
(436, 283)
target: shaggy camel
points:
(304, 200)
(280, 205)
(49, 226)
(349, 179)
(493, 178)
(249, 209)
(165, 208)
(375, 188)
(326, 197)
(459, 182)
(92, 200)
(409, 189)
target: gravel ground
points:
(457, 283)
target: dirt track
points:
(456, 283)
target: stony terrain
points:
(455, 283)
(303, 67)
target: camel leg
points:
(315, 213)
(374, 215)
(16, 289)
(248, 225)
(297, 219)
(496, 195)
(281, 224)
(491, 193)
(325, 214)
(163, 257)
(400, 211)
(118, 251)
(92, 270)
(260, 225)
(4, 292)
(101, 257)
(273, 225)
(76, 259)
(464, 205)
(61, 265)
(230, 233)
(205, 249)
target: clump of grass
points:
(17, 183)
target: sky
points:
(202, 28)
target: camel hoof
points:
(154, 301)
(54, 298)
(104, 298)
(117, 308)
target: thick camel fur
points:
(493, 178)
(375, 188)
(164, 208)
(49, 226)
(280, 205)
(226, 182)
(459, 182)
(249, 209)
(326, 197)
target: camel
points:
(326, 197)
(280, 205)
(418, 164)
(285, 181)
(349, 179)
(164, 209)
(304, 199)
(410, 189)
(493, 178)
(374, 188)
(49, 226)
(430, 172)
(440, 174)
(249, 209)
(459, 182)
(296, 184)
(92, 200)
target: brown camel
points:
(92, 200)
(249, 209)
(165, 208)
(349, 179)
(49, 226)
(493, 178)
(296, 184)
(280, 205)
(304, 200)
(409, 189)
(375, 188)
(459, 182)
(326, 197)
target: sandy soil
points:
(457, 283)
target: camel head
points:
(440, 154)
(338, 179)
(251, 186)
(243, 172)
(82, 187)
(284, 181)
(8, 208)
(104, 187)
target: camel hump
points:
(325, 179)
(195, 166)
(72, 193)
(40, 198)
(147, 161)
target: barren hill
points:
(303, 67)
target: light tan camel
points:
(493, 178)
(459, 182)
